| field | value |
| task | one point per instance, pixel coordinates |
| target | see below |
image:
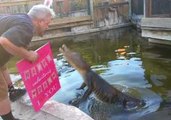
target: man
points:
(16, 32)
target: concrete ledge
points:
(156, 23)
(163, 35)
(52, 110)
(159, 41)
(158, 30)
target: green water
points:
(151, 74)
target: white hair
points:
(40, 12)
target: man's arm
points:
(18, 51)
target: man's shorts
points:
(3, 87)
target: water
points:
(128, 62)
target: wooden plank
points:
(113, 4)
(70, 25)
(69, 20)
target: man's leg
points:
(5, 111)
(5, 107)
(14, 94)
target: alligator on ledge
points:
(102, 89)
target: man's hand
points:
(33, 56)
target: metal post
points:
(130, 8)
(90, 7)
(145, 8)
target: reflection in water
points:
(127, 73)
(126, 61)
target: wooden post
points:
(150, 8)
(147, 8)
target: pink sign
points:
(40, 78)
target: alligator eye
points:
(130, 105)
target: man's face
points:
(42, 26)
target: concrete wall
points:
(157, 29)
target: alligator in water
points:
(95, 83)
